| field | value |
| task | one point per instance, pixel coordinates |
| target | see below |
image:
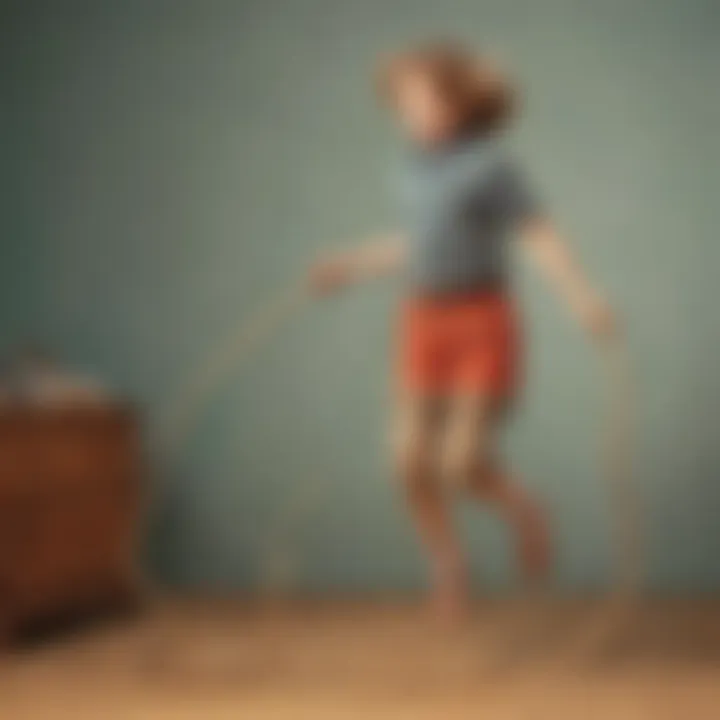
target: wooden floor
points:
(321, 661)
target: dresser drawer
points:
(69, 506)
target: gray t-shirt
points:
(460, 204)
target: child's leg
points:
(524, 515)
(413, 449)
(470, 458)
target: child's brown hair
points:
(483, 100)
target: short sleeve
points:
(515, 196)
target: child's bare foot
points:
(450, 599)
(535, 548)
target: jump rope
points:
(276, 564)
(279, 563)
(277, 550)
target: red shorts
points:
(468, 344)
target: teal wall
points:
(167, 165)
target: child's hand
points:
(330, 275)
(335, 271)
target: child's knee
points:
(471, 467)
(410, 449)
(488, 482)
(410, 458)
(460, 463)
(411, 461)
(467, 447)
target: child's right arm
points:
(555, 258)
(336, 270)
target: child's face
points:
(422, 110)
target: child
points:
(459, 344)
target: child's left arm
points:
(554, 257)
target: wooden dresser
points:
(69, 507)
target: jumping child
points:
(459, 344)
